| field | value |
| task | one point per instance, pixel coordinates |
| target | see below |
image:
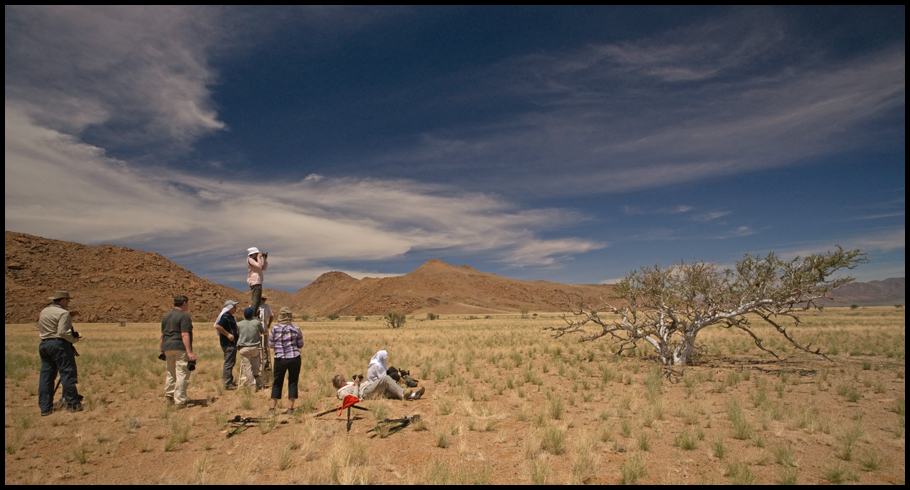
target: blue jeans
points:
(57, 355)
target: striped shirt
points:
(285, 340)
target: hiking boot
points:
(407, 395)
(419, 393)
(45, 413)
(180, 406)
(168, 401)
(75, 407)
(270, 412)
(230, 386)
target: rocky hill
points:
(116, 283)
(108, 283)
(439, 288)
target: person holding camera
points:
(55, 328)
(384, 386)
(285, 340)
(256, 263)
(176, 347)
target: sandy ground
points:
(505, 403)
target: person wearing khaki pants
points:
(178, 377)
(176, 344)
(249, 337)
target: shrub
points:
(358, 317)
(432, 316)
(332, 317)
(395, 320)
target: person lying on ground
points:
(383, 387)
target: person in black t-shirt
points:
(176, 344)
(227, 336)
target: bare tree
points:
(667, 308)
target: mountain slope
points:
(108, 283)
(439, 288)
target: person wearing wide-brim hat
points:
(286, 340)
(55, 328)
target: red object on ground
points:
(348, 401)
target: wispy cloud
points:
(627, 116)
(142, 70)
(304, 224)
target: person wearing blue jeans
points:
(55, 328)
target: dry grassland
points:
(505, 403)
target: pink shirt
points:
(254, 270)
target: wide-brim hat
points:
(60, 295)
(285, 315)
(252, 250)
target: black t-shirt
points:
(228, 323)
(173, 324)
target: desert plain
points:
(506, 403)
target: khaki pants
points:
(384, 387)
(178, 375)
(249, 366)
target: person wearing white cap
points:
(227, 336)
(256, 263)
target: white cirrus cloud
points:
(59, 187)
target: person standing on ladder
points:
(257, 263)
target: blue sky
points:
(566, 144)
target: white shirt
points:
(265, 312)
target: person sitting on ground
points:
(383, 387)
(250, 330)
(377, 367)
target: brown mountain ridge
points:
(112, 283)
(108, 283)
(439, 288)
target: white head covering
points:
(379, 358)
(252, 250)
(227, 307)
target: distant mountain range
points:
(872, 293)
(117, 283)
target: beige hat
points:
(60, 295)
(285, 315)
(252, 250)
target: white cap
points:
(252, 250)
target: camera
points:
(265, 254)
(404, 373)
(191, 365)
(162, 356)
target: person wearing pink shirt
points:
(257, 263)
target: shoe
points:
(270, 412)
(419, 393)
(76, 407)
(168, 401)
(180, 406)
(230, 386)
(45, 413)
(407, 395)
(289, 411)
